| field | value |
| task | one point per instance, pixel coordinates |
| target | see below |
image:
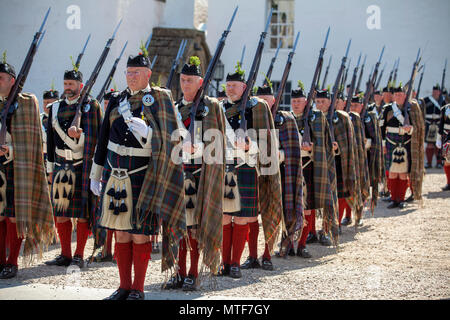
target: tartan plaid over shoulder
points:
(269, 186)
(32, 204)
(162, 192)
(417, 149)
(290, 142)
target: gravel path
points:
(397, 254)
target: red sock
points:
(226, 243)
(193, 270)
(253, 239)
(141, 256)
(238, 242)
(266, 254)
(402, 187)
(429, 151)
(348, 210)
(108, 243)
(65, 238)
(82, 236)
(124, 257)
(3, 233)
(182, 251)
(14, 243)
(313, 222)
(342, 205)
(447, 173)
(305, 231)
(388, 181)
(394, 189)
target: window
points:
(282, 23)
(285, 103)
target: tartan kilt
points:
(308, 175)
(247, 180)
(390, 148)
(150, 225)
(8, 170)
(191, 167)
(74, 210)
(340, 182)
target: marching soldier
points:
(431, 107)
(246, 192)
(403, 147)
(133, 172)
(203, 180)
(25, 207)
(443, 138)
(69, 163)
(48, 98)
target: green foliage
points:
(194, 60)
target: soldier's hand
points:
(74, 132)
(4, 150)
(335, 146)
(307, 146)
(407, 128)
(50, 177)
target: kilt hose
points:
(150, 225)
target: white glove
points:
(439, 143)
(139, 127)
(96, 187)
(368, 143)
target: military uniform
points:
(443, 138)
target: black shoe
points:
(340, 230)
(291, 252)
(428, 166)
(387, 199)
(175, 282)
(392, 205)
(324, 240)
(235, 271)
(312, 238)
(224, 270)
(77, 261)
(346, 221)
(155, 248)
(438, 166)
(189, 283)
(359, 223)
(119, 294)
(59, 261)
(267, 264)
(9, 271)
(410, 198)
(2, 266)
(402, 205)
(101, 258)
(446, 188)
(303, 252)
(136, 295)
(251, 263)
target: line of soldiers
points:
(136, 169)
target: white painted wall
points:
(405, 25)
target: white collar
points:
(3, 98)
(185, 102)
(145, 90)
(70, 102)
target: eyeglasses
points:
(131, 73)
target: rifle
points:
(443, 81)
(312, 91)
(360, 75)
(370, 86)
(326, 73)
(336, 91)
(284, 78)
(407, 103)
(175, 63)
(395, 72)
(391, 74)
(272, 62)
(241, 62)
(253, 74)
(207, 79)
(77, 64)
(344, 80)
(379, 78)
(84, 95)
(110, 75)
(420, 83)
(154, 60)
(21, 77)
(352, 86)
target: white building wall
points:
(405, 25)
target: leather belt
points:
(129, 151)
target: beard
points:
(71, 93)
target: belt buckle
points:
(119, 173)
(68, 154)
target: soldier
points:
(69, 163)
(203, 180)
(431, 107)
(25, 207)
(443, 137)
(245, 192)
(133, 172)
(401, 143)
(48, 98)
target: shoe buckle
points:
(234, 269)
(188, 281)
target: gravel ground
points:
(396, 254)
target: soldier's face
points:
(436, 94)
(138, 77)
(378, 98)
(323, 104)
(340, 104)
(269, 99)
(356, 107)
(235, 90)
(190, 85)
(72, 88)
(387, 97)
(399, 98)
(6, 83)
(298, 105)
(105, 104)
(46, 103)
